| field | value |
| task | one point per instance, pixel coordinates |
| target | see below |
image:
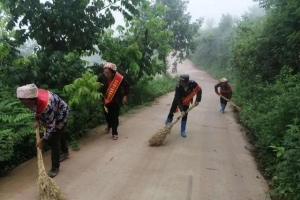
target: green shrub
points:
(271, 113)
(17, 136)
(85, 102)
(16, 133)
(285, 181)
(148, 88)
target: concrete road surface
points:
(210, 164)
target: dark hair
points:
(31, 99)
(112, 71)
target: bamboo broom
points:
(48, 189)
(237, 107)
(159, 137)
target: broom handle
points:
(37, 133)
(228, 100)
(179, 117)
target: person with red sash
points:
(225, 91)
(184, 93)
(114, 91)
(53, 112)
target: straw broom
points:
(237, 107)
(48, 189)
(159, 137)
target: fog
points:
(215, 8)
(209, 9)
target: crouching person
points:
(53, 112)
(225, 91)
(184, 92)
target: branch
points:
(3, 62)
(108, 6)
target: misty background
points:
(210, 10)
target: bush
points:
(150, 87)
(17, 136)
(85, 103)
(271, 113)
(285, 181)
(272, 116)
(16, 133)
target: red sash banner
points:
(112, 89)
(186, 100)
(42, 101)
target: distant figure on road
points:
(184, 93)
(174, 68)
(113, 96)
(225, 91)
(53, 112)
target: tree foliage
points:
(263, 63)
(142, 46)
(214, 44)
(16, 131)
(83, 90)
(280, 34)
(62, 33)
(66, 26)
(179, 22)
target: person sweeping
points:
(53, 112)
(225, 91)
(114, 91)
(184, 93)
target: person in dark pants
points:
(114, 91)
(225, 91)
(184, 93)
(53, 112)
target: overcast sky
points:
(209, 9)
(215, 8)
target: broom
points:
(237, 107)
(48, 189)
(159, 137)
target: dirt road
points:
(210, 164)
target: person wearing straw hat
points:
(184, 93)
(114, 91)
(53, 112)
(225, 91)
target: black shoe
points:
(63, 156)
(53, 172)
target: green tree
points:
(16, 132)
(65, 31)
(280, 37)
(213, 51)
(179, 22)
(142, 46)
(64, 25)
(264, 60)
(9, 54)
